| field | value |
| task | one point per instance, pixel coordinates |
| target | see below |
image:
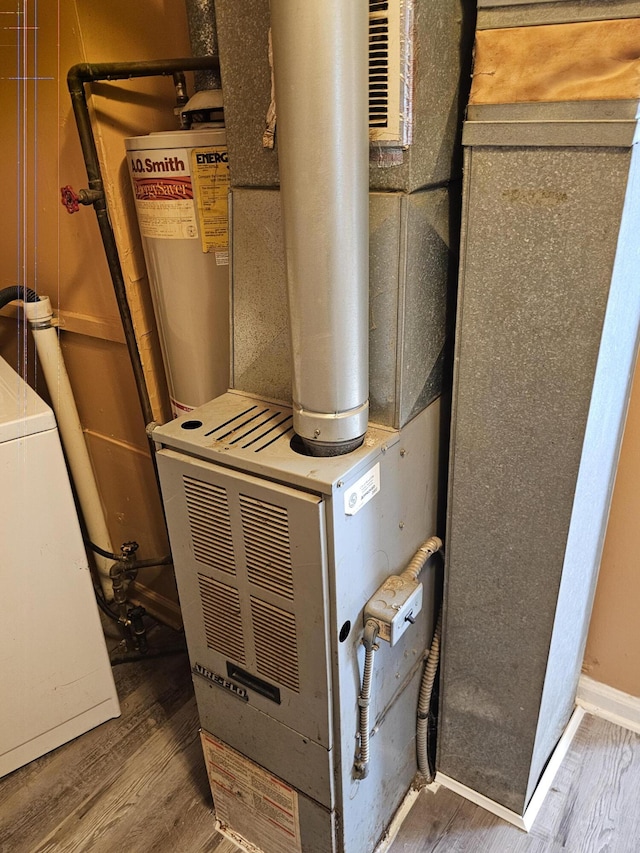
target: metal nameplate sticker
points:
(214, 678)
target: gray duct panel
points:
(244, 45)
(201, 18)
(260, 338)
(409, 265)
(596, 476)
(534, 454)
(494, 14)
(243, 42)
(443, 32)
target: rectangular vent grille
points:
(210, 524)
(274, 632)
(391, 34)
(378, 64)
(255, 428)
(267, 545)
(222, 618)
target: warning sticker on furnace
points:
(362, 491)
(163, 192)
(210, 169)
(251, 802)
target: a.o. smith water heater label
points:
(163, 192)
(251, 802)
(362, 491)
(210, 170)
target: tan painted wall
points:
(613, 647)
(62, 255)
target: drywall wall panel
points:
(613, 648)
(62, 255)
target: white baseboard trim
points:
(396, 823)
(610, 704)
(526, 820)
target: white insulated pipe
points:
(320, 62)
(40, 315)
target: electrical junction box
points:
(394, 607)
(274, 569)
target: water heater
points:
(180, 184)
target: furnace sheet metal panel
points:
(276, 554)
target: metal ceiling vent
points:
(391, 72)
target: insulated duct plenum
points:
(203, 38)
(320, 55)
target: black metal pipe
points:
(86, 72)
(131, 563)
(77, 77)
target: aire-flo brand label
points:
(220, 680)
(163, 190)
(251, 802)
(361, 492)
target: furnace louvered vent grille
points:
(210, 524)
(378, 65)
(274, 632)
(390, 71)
(267, 545)
(222, 618)
(255, 428)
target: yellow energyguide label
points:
(210, 174)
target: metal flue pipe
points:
(320, 53)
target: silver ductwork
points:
(320, 58)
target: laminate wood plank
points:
(591, 808)
(153, 805)
(139, 783)
(32, 798)
(603, 813)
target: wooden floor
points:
(139, 784)
(593, 806)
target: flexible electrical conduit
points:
(418, 562)
(361, 764)
(419, 559)
(424, 702)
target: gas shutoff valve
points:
(394, 607)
